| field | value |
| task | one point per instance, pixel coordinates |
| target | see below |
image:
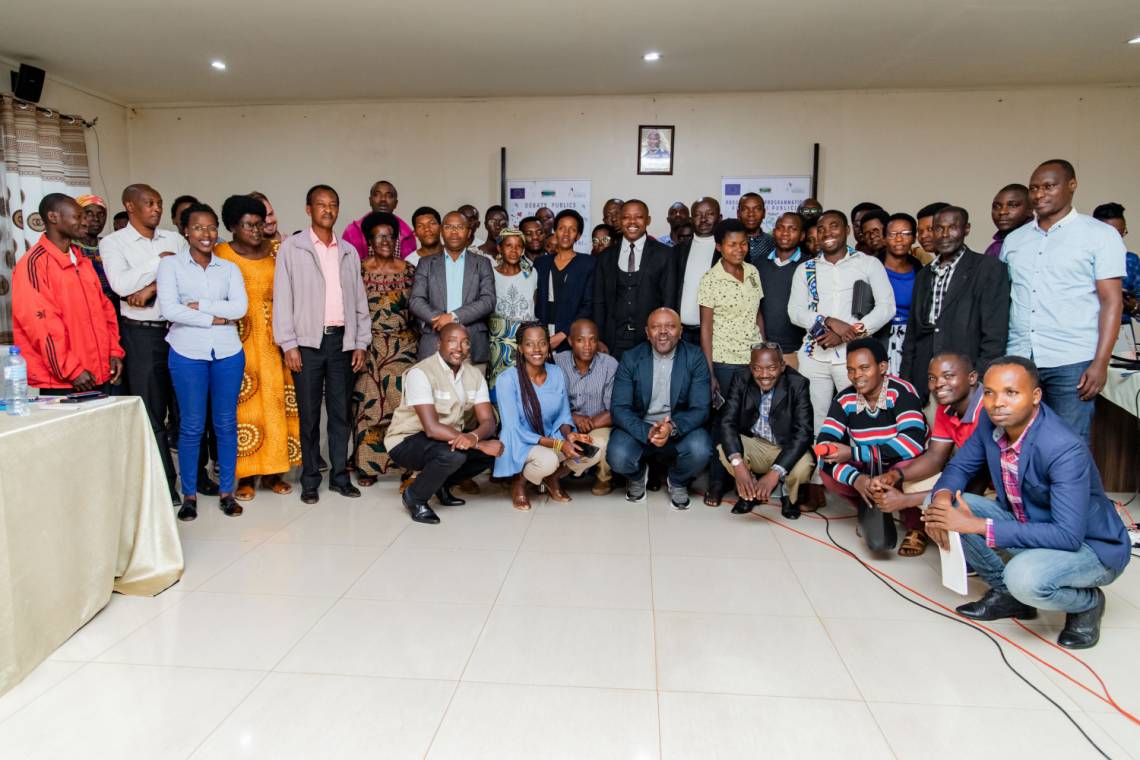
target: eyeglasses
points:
(903, 234)
(383, 240)
(199, 229)
(454, 227)
(601, 240)
(251, 226)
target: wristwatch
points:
(736, 461)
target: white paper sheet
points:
(954, 565)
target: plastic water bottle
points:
(16, 383)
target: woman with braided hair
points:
(540, 444)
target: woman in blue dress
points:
(540, 444)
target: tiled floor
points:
(595, 629)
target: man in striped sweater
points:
(875, 423)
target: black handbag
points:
(862, 299)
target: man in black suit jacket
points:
(660, 405)
(961, 303)
(766, 430)
(691, 260)
(633, 278)
(436, 307)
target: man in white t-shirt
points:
(692, 259)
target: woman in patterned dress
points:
(379, 387)
(269, 440)
(514, 303)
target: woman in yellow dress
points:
(269, 440)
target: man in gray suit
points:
(457, 286)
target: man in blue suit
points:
(1051, 514)
(660, 406)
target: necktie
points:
(631, 265)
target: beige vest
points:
(453, 412)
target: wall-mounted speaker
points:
(28, 83)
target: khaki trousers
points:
(760, 455)
(542, 462)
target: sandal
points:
(913, 544)
(245, 490)
(519, 499)
(365, 480)
(712, 499)
(554, 488)
(276, 484)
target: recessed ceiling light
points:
(652, 55)
(1134, 41)
(219, 65)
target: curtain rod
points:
(50, 112)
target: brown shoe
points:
(469, 486)
(519, 498)
(276, 484)
(602, 487)
(812, 496)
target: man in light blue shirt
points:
(1065, 271)
(453, 269)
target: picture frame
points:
(656, 146)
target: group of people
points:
(781, 365)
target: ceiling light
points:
(1135, 40)
(219, 65)
(652, 55)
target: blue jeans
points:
(625, 454)
(1048, 579)
(1059, 385)
(194, 380)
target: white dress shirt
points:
(835, 284)
(700, 259)
(130, 261)
(623, 253)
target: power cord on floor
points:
(827, 529)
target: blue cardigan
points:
(577, 298)
(1060, 490)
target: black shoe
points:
(322, 465)
(996, 605)
(229, 506)
(348, 490)
(789, 510)
(206, 486)
(1082, 629)
(189, 510)
(419, 510)
(310, 496)
(448, 499)
(743, 507)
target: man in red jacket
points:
(65, 327)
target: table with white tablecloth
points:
(84, 511)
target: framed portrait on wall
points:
(655, 146)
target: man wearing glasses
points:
(456, 287)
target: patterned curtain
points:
(41, 152)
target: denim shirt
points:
(219, 291)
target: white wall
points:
(900, 149)
(107, 152)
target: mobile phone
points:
(717, 400)
(586, 450)
(79, 398)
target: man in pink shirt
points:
(382, 197)
(321, 323)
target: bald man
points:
(444, 426)
(660, 407)
(677, 215)
(130, 260)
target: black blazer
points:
(577, 299)
(657, 286)
(791, 416)
(689, 390)
(974, 319)
(680, 261)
